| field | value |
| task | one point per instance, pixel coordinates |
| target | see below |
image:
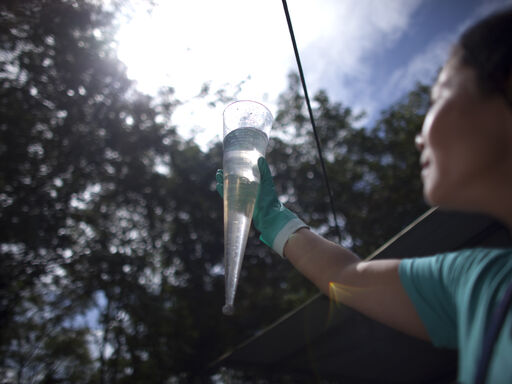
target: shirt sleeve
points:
(427, 283)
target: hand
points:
(271, 218)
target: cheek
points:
(443, 126)
(465, 147)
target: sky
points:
(366, 54)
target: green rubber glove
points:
(271, 218)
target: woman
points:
(466, 159)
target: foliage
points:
(111, 228)
(374, 173)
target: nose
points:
(419, 142)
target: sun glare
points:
(188, 44)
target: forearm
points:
(318, 259)
(370, 287)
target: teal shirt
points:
(455, 295)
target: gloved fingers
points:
(267, 196)
(265, 173)
(219, 176)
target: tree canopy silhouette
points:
(111, 236)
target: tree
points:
(79, 145)
(384, 179)
(374, 172)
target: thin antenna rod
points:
(310, 111)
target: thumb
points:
(267, 193)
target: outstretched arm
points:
(370, 287)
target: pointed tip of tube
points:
(228, 310)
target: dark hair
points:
(487, 48)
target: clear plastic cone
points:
(246, 128)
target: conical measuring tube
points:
(246, 128)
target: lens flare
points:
(341, 292)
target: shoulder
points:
(447, 286)
(453, 265)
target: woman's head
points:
(466, 139)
